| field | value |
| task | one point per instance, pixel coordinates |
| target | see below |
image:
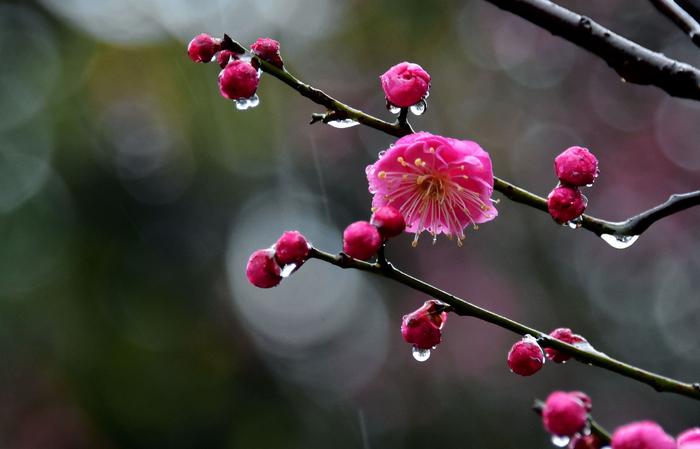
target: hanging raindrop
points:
(619, 241)
(419, 108)
(575, 223)
(345, 123)
(560, 441)
(288, 269)
(393, 109)
(246, 103)
(421, 355)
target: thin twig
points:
(630, 227)
(464, 308)
(596, 429)
(680, 17)
(634, 63)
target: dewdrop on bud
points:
(292, 248)
(262, 269)
(203, 48)
(388, 221)
(564, 414)
(566, 203)
(526, 357)
(361, 240)
(576, 166)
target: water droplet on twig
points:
(619, 241)
(345, 123)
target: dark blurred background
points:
(131, 195)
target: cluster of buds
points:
(240, 74)
(526, 357)
(267, 267)
(566, 415)
(575, 167)
(362, 239)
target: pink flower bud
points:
(203, 48)
(584, 398)
(224, 57)
(576, 166)
(566, 203)
(405, 84)
(292, 248)
(361, 240)
(564, 414)
(423, 327)
(526, 357)
(262, 269)
(567, 336)
(388, 221)
(689, 439)
(238, 80)
(642, 435)
(585, 442)
(268, 50)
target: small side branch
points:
(680, 17)
(464, 308)
(634, 63)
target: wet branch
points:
(634, 63)
(464, 308)
(337, 110)
(680, 17)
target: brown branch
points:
(464, 308)
(680, 17)
(634, 63)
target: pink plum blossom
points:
(564, 414)
(439, 184)
(576, 166)
(642, 435)
(689, 439)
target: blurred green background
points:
(131, 195)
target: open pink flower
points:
(439, 184)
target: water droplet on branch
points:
(619, 241)
(421, 355)
(575, 223)
(345, 123)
